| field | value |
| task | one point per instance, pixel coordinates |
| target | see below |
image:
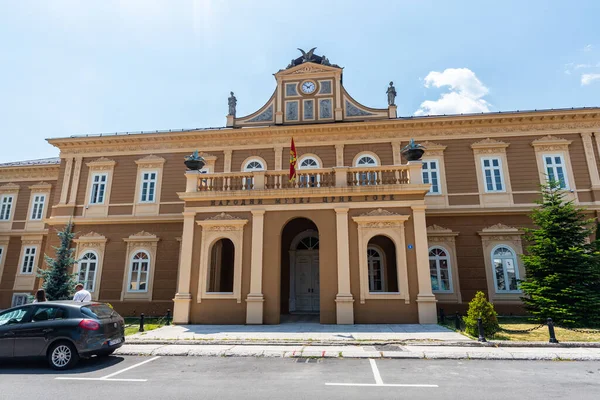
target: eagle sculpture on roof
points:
(307, 56)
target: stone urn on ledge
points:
(412, 151)
(194, 162)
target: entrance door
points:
(306, 281)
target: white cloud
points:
(578, 66)
(465, 96)
(588, 47)
(586, 79)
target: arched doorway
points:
(304, 273)
(300, 280)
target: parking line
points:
(379, 381)
(109, 377)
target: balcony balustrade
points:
(322, 178)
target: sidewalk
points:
(376, 351)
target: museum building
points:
(360, 236)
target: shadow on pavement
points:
(40, 366)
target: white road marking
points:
(379, 381)
(109, 377)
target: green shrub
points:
(479, 307)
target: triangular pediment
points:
(308, 68)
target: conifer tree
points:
(59, 284)
(562, 265)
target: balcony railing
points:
(306, 178)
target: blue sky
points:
(74, 67)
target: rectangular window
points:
(555, 170)
(148, 191)
(5, 207)
(37, 208)
(98, 188)
(492, 174)
(431, 175)
(28, 260)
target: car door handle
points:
(8, 334)
(47, 330)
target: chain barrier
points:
(588, 331)
(522, 330)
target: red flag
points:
(293, 161)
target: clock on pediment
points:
(308, 87)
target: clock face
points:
(308, 87)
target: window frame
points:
(210, 261)
(144, 181)
(4, 215)
(130, 271)
(562, 165)
(437, 170)
(492, 168)
(505, 272)
(80, 262)
(256, 160)
(28, 257)
(93, 200)
(366, 178)
(437, 259)
(37, 207)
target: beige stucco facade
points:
(361, 236)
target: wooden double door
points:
(305, 282)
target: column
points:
(66, 178)
(255, 299)
(590, 158)
(344, 302)
(75, 185)
(425, 299)
(227, 161)
(183, 297)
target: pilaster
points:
(590, 159)
(339, 155)
(66, 179)
(278, 157)
(396, 153)
(227, 161)
(425, 299)
(75, 184)
(255, 299)
(183, 297)
(343, 300)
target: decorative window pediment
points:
(9, 188)
(489, 146)
(551, 143)
(150, 161)
(433, 149)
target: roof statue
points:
(232, 102)
(310, 56)
(391, 94)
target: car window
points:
(98, 311)
(16, 315)
(48, 313)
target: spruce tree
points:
(562, 265)
(59, 284)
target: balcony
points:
(325, 180)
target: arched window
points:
(251, 166)
(376, 265)
(309, 180)
(506, 273)
(366, 178)
(309, 243)
(439, 270)
(87, 270)
(254, 165)
(139, 271)
(221, 267)
(308, 162)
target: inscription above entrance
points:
(304, 200)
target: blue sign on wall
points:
(410, 246)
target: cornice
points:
(434, 127)
(30, 173)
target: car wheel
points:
(62, 355)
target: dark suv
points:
(61, 331)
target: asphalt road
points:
(285, 378)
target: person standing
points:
(40, 296)
(81, 294)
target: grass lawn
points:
(538, 335)
(136, 328)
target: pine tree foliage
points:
(562, 266)
(59, 284)
(479, 307)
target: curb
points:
(267, 342)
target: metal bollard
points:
(481, 331)
(141, 322)
(442, 316)
(551, 331)
(457, 322)
(168, 317)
